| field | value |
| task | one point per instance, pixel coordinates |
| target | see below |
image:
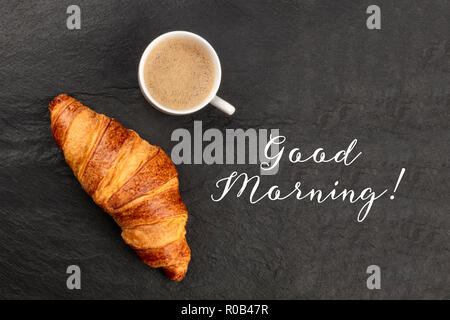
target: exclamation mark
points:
(398, 182)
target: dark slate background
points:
(309, 68)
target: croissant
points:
(133, 181)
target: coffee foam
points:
(179, 73)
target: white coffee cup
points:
(212, 98)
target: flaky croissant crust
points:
(133, 181)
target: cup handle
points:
(222, 105)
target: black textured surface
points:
(311, 69)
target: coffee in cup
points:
(180, 73)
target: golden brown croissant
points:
(134, 182)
